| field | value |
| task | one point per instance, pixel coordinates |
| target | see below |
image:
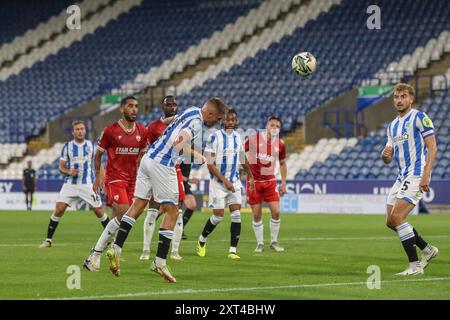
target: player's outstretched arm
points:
(387, 154)
(430, 143)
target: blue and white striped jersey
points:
(80, 157)
(406, 134)
(227, 148)
(190, 121)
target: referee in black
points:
(29, 184)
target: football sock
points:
(104, 220)
(53, 224)
(165, 238)
(210, 225)
(422, 244)
(235, 229)
(107, 235)
(258, 228)
(187, 216)
(149, 227)
(125, 226)
(274, 230)
(406, 235)
(177, 232)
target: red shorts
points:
(119, 192)
(264, 191)
(182, 194)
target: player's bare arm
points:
(249, 174)
(283, 172)
(387, 154)
(63, 169)
(210, 156)
(183, 143)
(99, 182)
(430, 142)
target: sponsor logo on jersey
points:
(427, 122)
(400, 139)
(126, 150)
(265, 157)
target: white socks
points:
(258, 228)
(107, 235)
(149, 227)
(274, 230)
(177, 232)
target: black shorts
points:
(29, 190)
(187, 188)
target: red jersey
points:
(262, 154)
(123, 151)
(155, 130)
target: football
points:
(304, 64)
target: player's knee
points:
(276, 215)
(215, 220)
(236, 216)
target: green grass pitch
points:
(326, 257)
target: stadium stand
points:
(20, 17)
(343, 62)
(142, 38)
(363, 161)
(44, 30)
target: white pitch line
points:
(191, 291)
(240, 241)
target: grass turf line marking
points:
(227, 240)
(191, 291)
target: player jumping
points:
(411, 142)
(157, 177)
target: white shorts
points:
(157, 180)
(220, 197)
(407, 189)
(72, 192)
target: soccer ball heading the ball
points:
(304, 64)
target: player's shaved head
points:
(213, 111)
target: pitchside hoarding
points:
(347, 196)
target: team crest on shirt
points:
(138, 138)
(119, 137)
(116, 197)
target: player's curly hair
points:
(405, 87)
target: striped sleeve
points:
(424, 124)
(193, 129)
(211, 144)
(389, 142)
(65, 152)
